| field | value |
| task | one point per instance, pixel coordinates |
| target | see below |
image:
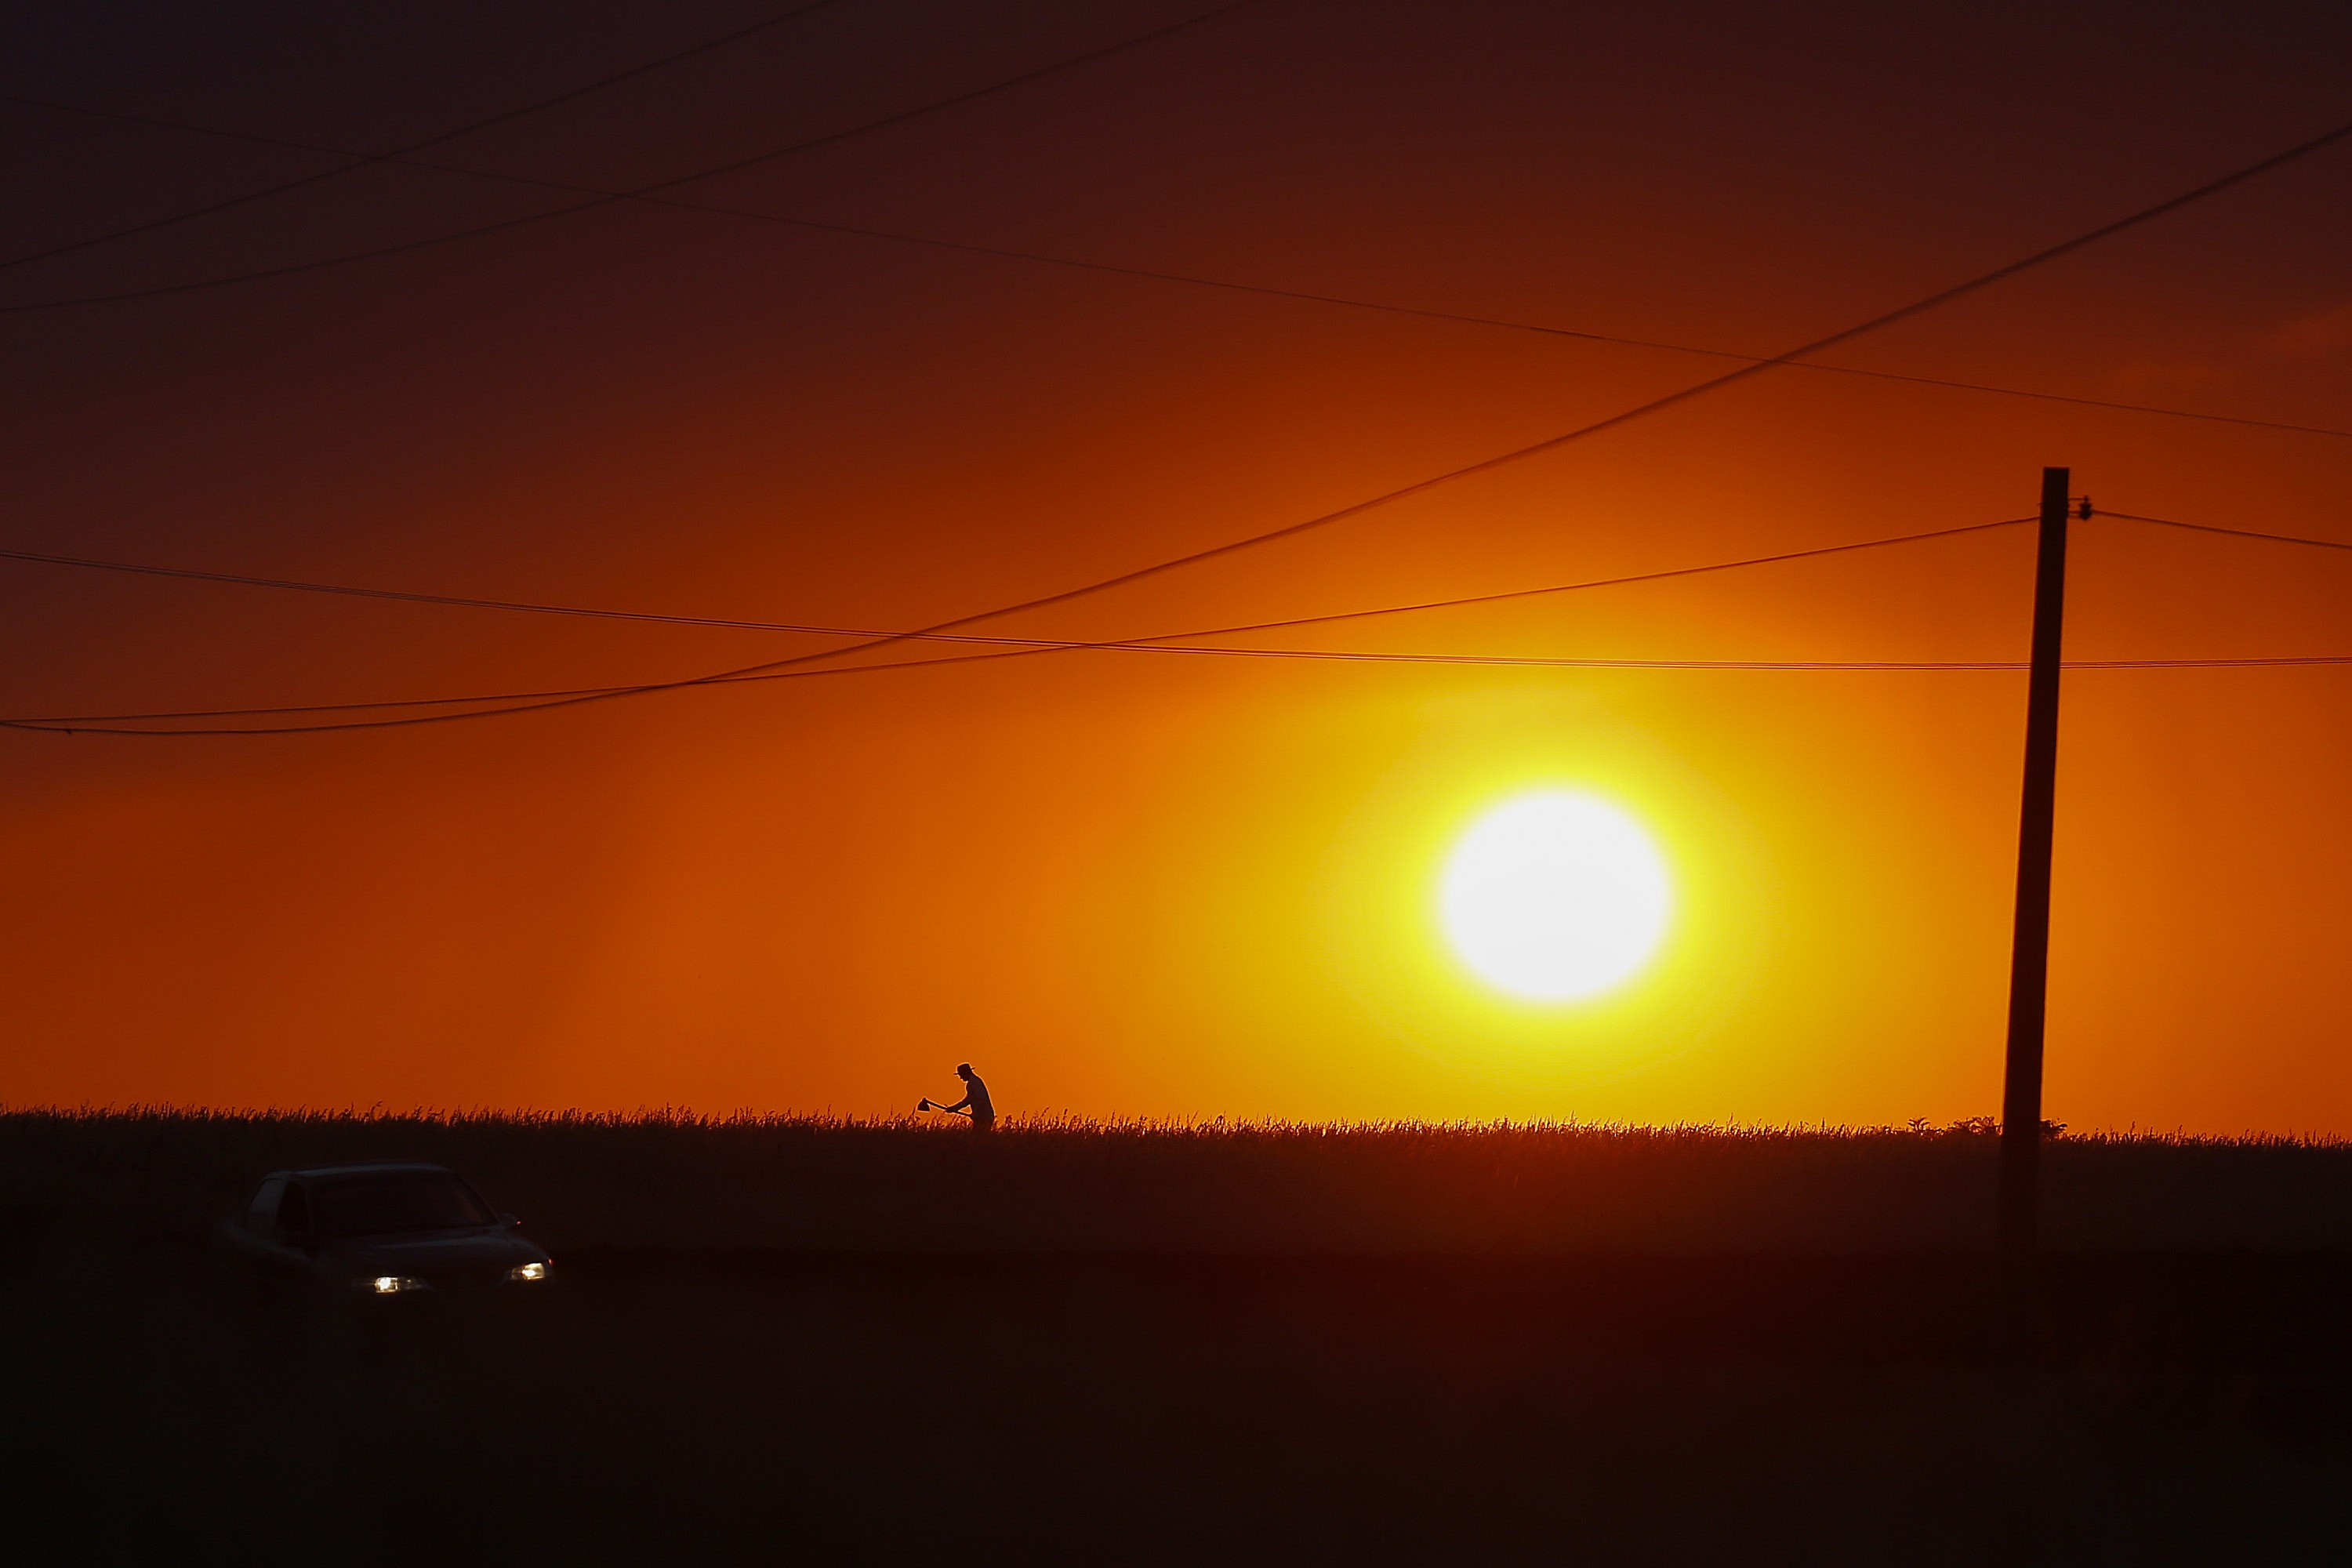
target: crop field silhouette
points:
(671, 1179)
(844, 1340)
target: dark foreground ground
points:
(681, 1408)
(824, 1343)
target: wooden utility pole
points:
(2028, 974)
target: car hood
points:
(440, 1257)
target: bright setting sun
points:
(1555, 895)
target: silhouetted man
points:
(975, 1102)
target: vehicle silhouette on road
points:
(383, 1230)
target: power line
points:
(606, 198)
(1903, 312)
(362, 160)
(102, 724)
(1673, 399)
(1054, 644)
(451, 600)
(1625, 580)
(401, 595)
(1016, 645)
(105, 723)
(1187, 280)
(1875, 323)
(2231, 532)
(1931, 302)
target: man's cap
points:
(963, 1066)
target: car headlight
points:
(392, 1285)
(523, 1273)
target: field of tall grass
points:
(1183, 1344)
(676, 1179)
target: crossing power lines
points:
(1487, 465)
(404, 153)
(601, 198)
(306, 718)
(956, 629)
(675, 203)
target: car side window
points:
(261, 1215)
(293, 1212)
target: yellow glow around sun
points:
(1555, 895)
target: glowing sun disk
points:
(1555, 895)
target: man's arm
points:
(959, 1105)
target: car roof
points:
(363, 1168)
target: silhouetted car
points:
(385, 1230)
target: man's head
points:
(963, 1071)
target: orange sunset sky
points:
(1132, 883)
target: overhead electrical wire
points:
(2231, 532)
(1487, 465)
(1732, 377)
(120, 723)
(104, 724)
(683, 203)
(1914, 307)
(402, 595)
(725, 622)
(35, 557)
(1653, 406)
(607, 198)
(401, 155)
(1013, 646)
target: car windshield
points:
(392, 1201)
